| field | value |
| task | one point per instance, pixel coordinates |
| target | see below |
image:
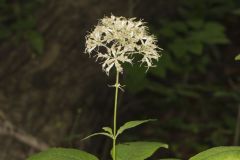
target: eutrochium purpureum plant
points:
(114, 42)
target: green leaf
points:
(195, 48)
(63, 154)
(36, 41)
(96, 134)
(237, 58)
(219, 153)
(179, 26)
(131, 124)
(195, 23)
(170, 159)
(137, 150)
(211, 33)
(108, 129)
(179, 47)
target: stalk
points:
(115, 115)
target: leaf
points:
(63, 154)
(195, 23)
(237, 58)
(195, 48)
(211, 33)
(96, 134)
(170, 159)
(214, 33)
(36, 41)
(131, 124)
(227, 94)
(179, 47)
(179, 26)
(219, 153)
(108, 129)
(137, 150)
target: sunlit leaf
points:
(219, 153)
(63, 154)
(137, 150)
(237, 58)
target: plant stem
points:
(115, 115)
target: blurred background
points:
(51, 94)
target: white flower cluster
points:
(116, 40)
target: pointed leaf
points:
(132, 124)
(108, 129)
(137, 150)
(96, 134)
(219, 153)
(63, 154)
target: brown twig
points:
(7, 128)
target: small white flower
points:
(116, 40)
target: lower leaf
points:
(137, 150)
(63, 154)
(219, 153)
(169, 159)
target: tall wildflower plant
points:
(113, 42)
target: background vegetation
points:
(51, 94)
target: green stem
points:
(115, 115)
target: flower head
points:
(117, 40)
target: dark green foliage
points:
(188, 77)
(18, 23)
